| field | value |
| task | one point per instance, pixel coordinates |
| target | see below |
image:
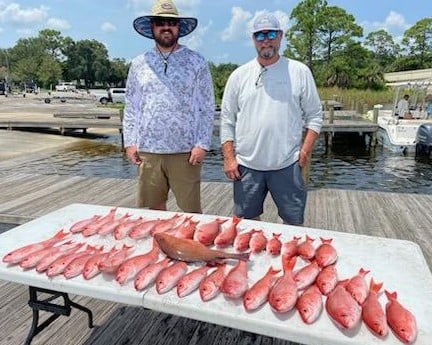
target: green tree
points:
(220, 74)
(49, 72)
(25, 58)
(52, 42)
(87, 60)
(383, 48)
(336, 30)
(118, 72)
(302, 38)
(417, 42)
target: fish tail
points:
(236, 220)
(61, 234)
(363, 272)
(326, 240)
(221, 221)
(288, 263)
(375, 287)
(391, 295)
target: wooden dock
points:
(82, 122)
(24, 197)
(70, 120)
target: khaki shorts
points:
(158, 173)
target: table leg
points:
(54, 308)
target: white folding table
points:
(399, 264)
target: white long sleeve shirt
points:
(169, 112)
(264, 111)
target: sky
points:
(222, 35)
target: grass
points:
(352, 98)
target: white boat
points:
(398, 135)
(397, 132)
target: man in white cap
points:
(270, 119)
(169, 112)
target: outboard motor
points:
(424, 141)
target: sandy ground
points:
(20, 143)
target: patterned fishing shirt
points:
(169, 112)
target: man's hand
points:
(133, 156)
(197, 155)
(231, 168)
(304, 158)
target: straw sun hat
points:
(164, 9)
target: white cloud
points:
(237, 26)
(25, 32)
(108, 27)
(394, 23)
(58, 24)
(396, 20)
(185, 7)
(13, 13)
(196, 39)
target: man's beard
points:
(165, 42)
(267, 53)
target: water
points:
(346, 166)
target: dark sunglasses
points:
(261, 36)
(163, 22)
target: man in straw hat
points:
(276, 99)
(169, 112)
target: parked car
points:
(65, 86)
(111, 95)
(30, 87)
(117, 94)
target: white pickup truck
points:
(65, 86)
(114, 95)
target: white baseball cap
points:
(265, 21)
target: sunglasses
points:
(261, 36)
(163, 22)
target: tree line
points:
(326, 38)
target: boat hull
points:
(398, 135)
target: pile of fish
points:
(307, 279)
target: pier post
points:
(121, 129)
(331, 114)
(359, 108)
(376, 109)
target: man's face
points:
(267, 43)
(165, 31)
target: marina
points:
(83, 113)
